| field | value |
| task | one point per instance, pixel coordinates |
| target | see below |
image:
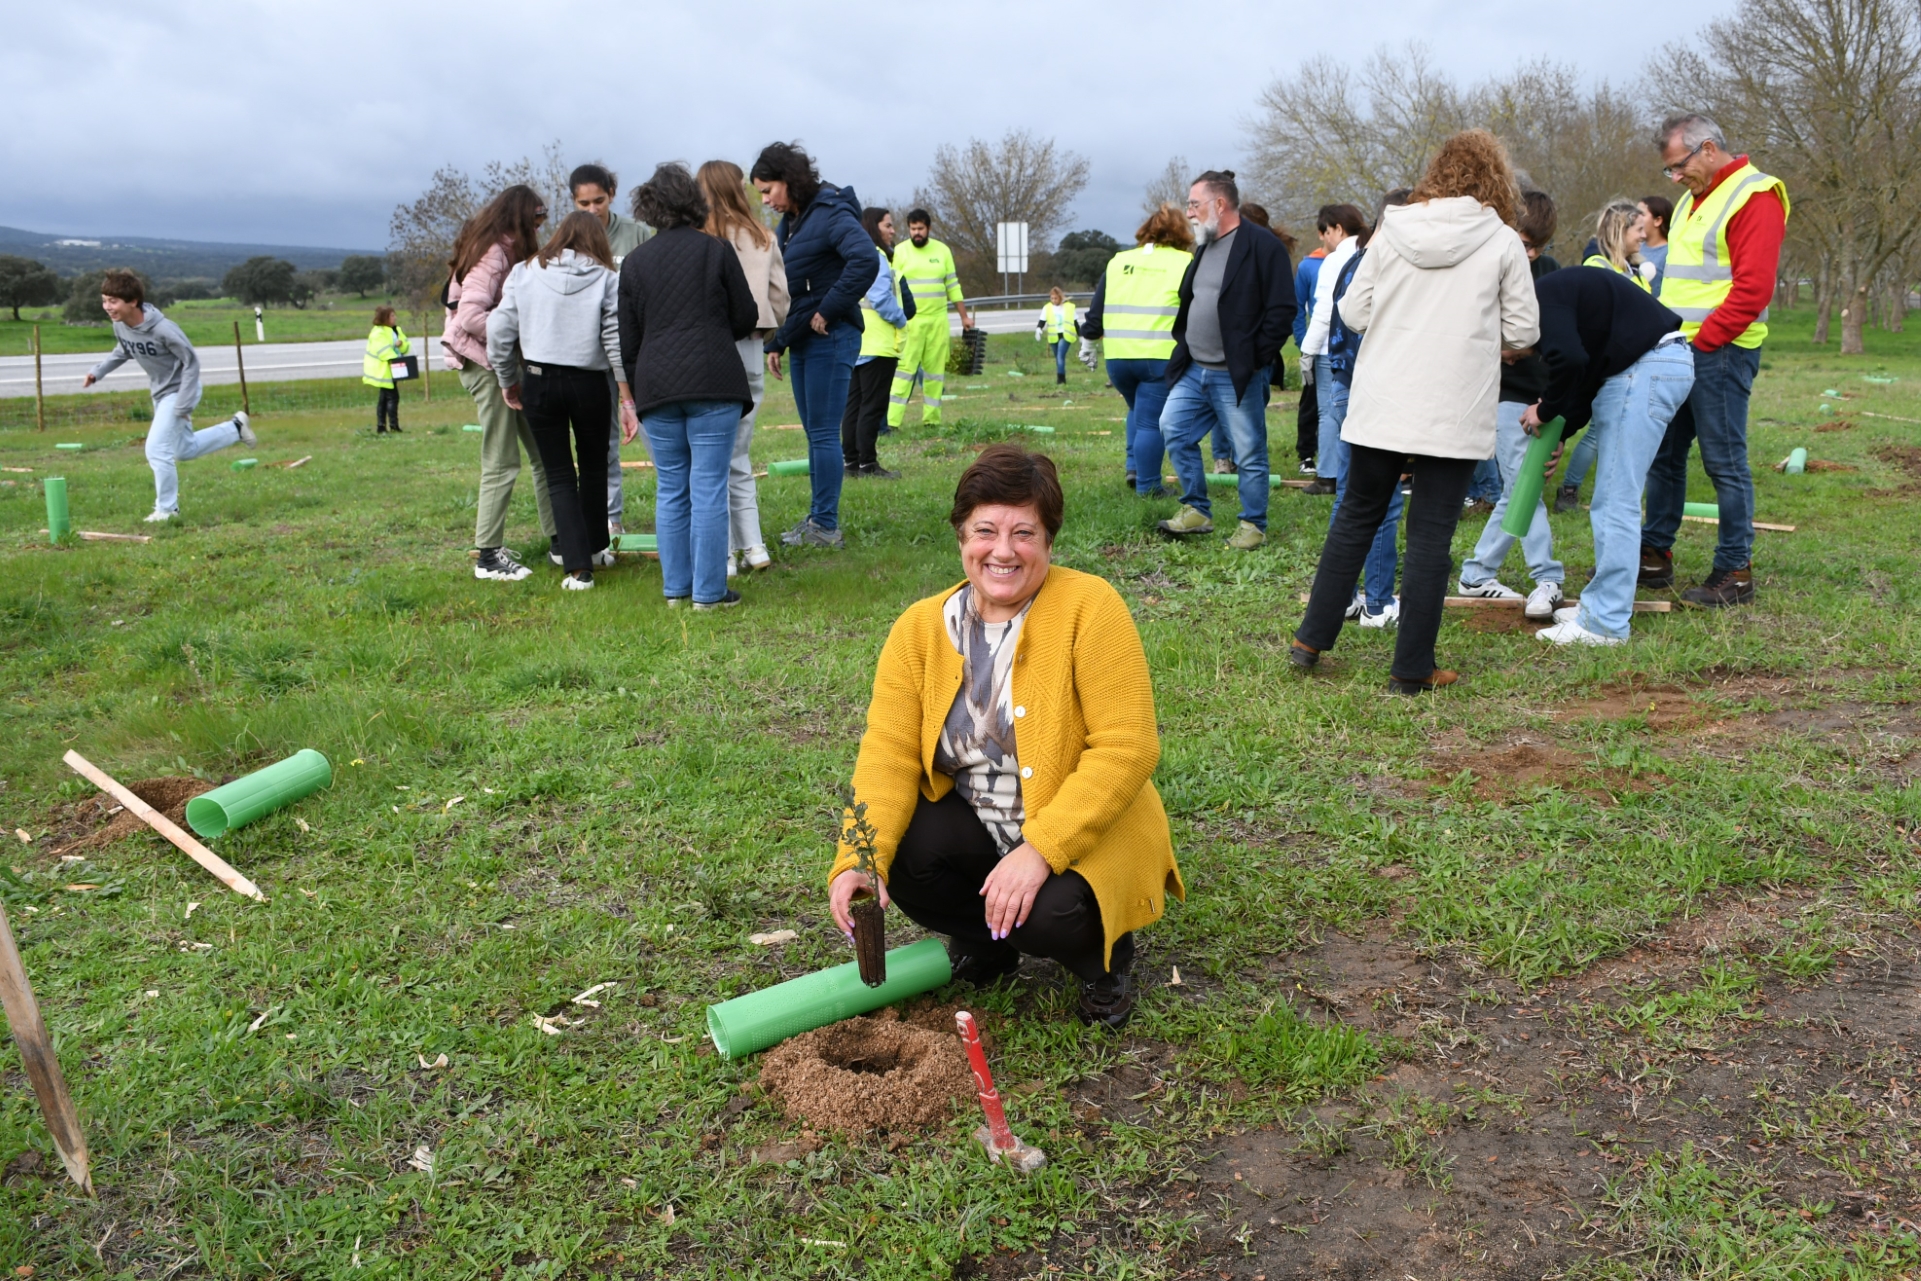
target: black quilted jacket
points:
(684, 303)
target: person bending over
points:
(1008, 754)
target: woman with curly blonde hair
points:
(1442, 294)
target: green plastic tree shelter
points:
(761, 1020)
(788, 467)
(1225, 478)
(1526, 494)
(260, 793)
(59, 524)
(1710, 510)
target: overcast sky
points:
(277, 123)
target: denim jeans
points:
(1486, 486)
(172, 440)
(693, 441)
(822, 367)
(1581, 459)
(1203, 401)
(1143, 385)
(1716, 414)
(1632, 412)
(1510, 446)
(1060, 357)
(569, 406)
(1331, 398)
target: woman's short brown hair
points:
(383, 315)
(1007, 475)
(1166, 226)
(1472, 163)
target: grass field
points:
(1599, 964)
(207, 322)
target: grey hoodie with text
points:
(563, 314)
(173, 369)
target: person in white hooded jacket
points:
(551, 342)
(1443, 291)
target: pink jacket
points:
(469, 303)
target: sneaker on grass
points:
(1390, 614)
(1246, 537)
(1723, 587)
(1567, 613)
(1187, 521)
(579, 581)
(603, 558)
(731, 599)
(158, 517)
(1572, 633)
(244, 426)
(1489, 589)
(1542, 601)
(498, 564)
(1357, 606)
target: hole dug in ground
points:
(867, 1074)
(93, 821)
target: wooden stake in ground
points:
(160, 823)
(39, 394)
(43, 1069)
(240, 363)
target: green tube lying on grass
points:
(1234, 478)
(647, 543)
(761, 1020)
(1525, 497)
(1710, 510)
(70, 445)
(788, 467)
(245, 464)
(260, 793)
(59, 523)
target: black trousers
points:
(866, 411)
(1307, 424)
(563, 402)
(1432, 512)
(936, 879)
(387, 409)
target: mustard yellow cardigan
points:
(1084, 736)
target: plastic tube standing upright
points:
(760, 1020)
(788, 467)
(260, 793)
(1525, 497)
(1797, 462)
(59, 523)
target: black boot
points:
(1109, 1000)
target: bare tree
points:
(420, 235)
(1169, 186)
(1827, 95)
(1023, 179)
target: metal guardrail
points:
(1007, 302)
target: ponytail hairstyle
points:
(1611, 230)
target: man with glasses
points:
(1237, 308)
(1724, 247)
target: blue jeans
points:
(692, 443)
(1332, 398)
(1142, 384)
(1581, 459)
(822, 367)
(1060, 357)
(172, 440)
(1203, 401)
(1510, 447)
(1486, 485)
(1716, 414)
(1632, 412)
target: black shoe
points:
(1723, 587)
(1319, 485)
(1109, 1001)
(1060, 380)
(1567, 498)
(878, 472)
(731, 599)
(850, 470)
(1657, 568)
(1303, 656)
(1130, 480)
(990, 965)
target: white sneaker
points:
(245, 426)
(577, 582)
(1542, 600)
(160, 518)
(1390, 614)
(733, 569)
(1356, 607)
(1491, 589)
(1567, 613)
(756, 557)
(1572, 633)
(603, 558)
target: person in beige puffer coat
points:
(1442, 296)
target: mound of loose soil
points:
(869, 1074)
(109, 822)
(1506, 773)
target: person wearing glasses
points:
(1724, 247)
(505, 232)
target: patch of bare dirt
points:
(1498, 622)
(1838, 424)
(1908, 459)
(1524, 765)
(867, 1074)
(99, 820)
(1665, 708)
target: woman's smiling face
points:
(1004, 551)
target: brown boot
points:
(1723, 587)
(1657, 568)
(1404, 685)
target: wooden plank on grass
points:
(193, 849)
(95, 536)
(1772, 529)
(636, 465)
(43, 1069)
(1516, 602)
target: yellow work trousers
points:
(924, 346)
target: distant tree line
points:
(261, 281)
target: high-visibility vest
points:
(928, 272)
(1699, 273)
(385, 344)
(1058, 322)
(1141, 298)
(1606, 263)
(878, 337)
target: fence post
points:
(240, 363)
(426, 365)
(39, 393)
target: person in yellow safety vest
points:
(1132, 313)
(1057, 329)
(884, 315)
(1619, 233)
(1724, 249)
(926, 267)
(385, 344)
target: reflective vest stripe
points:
(1699, 273)
(1142, 290)
(1699, 315)
(1123, 309)
(1145, 335)
(1710, 266)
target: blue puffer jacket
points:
(830, 260)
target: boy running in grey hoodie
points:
(173, 375)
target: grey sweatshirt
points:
(173, 369)
(562, 314)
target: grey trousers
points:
(503, 434)
(743, 493)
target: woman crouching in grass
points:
(1009, 747)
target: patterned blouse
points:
(976, 745)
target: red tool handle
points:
(1004, 1140)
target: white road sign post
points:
(1010, 247)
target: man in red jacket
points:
(1724, 247)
